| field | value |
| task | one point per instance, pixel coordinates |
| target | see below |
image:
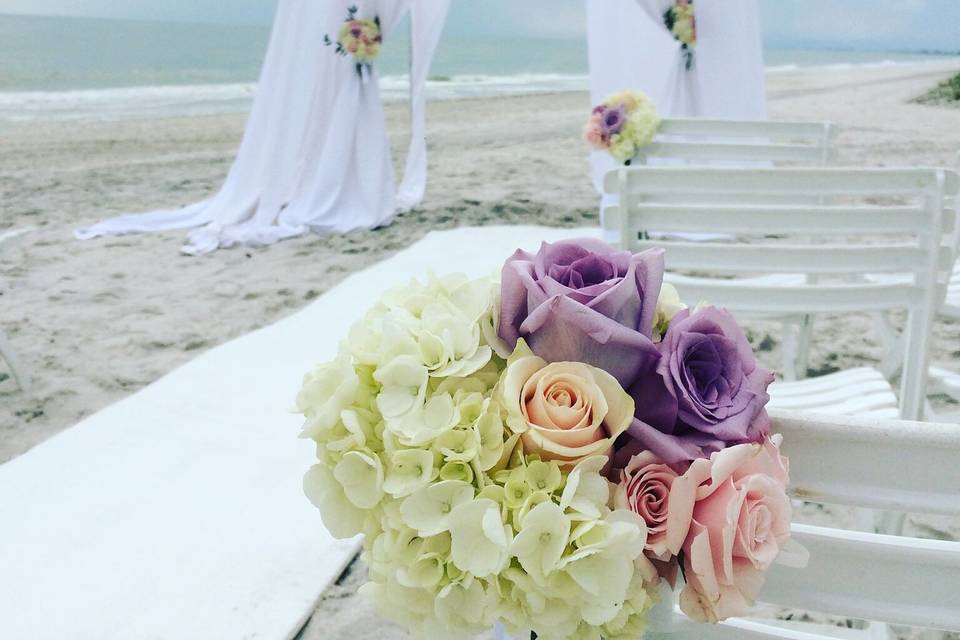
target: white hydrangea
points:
(462, 528)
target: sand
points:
(94, 321)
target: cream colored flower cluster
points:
(361, 38)
(622, 125)
(422, 447)
(684, 24)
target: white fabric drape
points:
(427, 18)
(315, 154)
(631, 48)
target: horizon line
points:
(787, 44)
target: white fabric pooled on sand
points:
(315, 155)
(178, 513)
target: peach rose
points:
(740, 526)
(663, 498)
(564, 411)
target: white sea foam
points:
(849, 66)
(207, 99)
(124, 103)
(192, 100)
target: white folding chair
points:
(941, 379)
(823, 243)
(889, 579)
(7, 354)
(753, 143)
(6, 350)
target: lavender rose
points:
(584, 301)
(613, 120)
(712, 381)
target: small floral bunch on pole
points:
(358, 37)
(622, 125)
(681, 21)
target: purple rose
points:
(613, 120)
(711, 392)
(584, 301)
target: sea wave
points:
(852, 66)
(126, 102)
(208, 99)
(394, 88)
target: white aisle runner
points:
(177, 513)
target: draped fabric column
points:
(427, 18)
(315, 154)
(631, 48)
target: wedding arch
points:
(315, 155)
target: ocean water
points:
(82, 69)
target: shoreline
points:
(157, 102)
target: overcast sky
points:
(873, 24)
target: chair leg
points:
(880, 631)
(892, 345)
(804, 338)
(790, 347)
(891, 523)
(6, 353)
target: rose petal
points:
(563, 330)
(674, 449)
(516, 282)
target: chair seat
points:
(862, 391)
(945, 381)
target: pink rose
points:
(740, 526)
(593, 132)
(663, 498)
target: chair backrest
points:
(835, 226)
(697, 140)
(897, 580)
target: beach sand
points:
(94, 321)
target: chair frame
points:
(941, 380)
(778, 201)
(739, 141)
(6, 349)
(694, 141)
(6, 353)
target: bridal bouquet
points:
(358, 37)
(622, 124)
(542, 451)
(681, 21)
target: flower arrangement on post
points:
(681, 21)
(358, 37)
(543, 451)
(622, 125)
